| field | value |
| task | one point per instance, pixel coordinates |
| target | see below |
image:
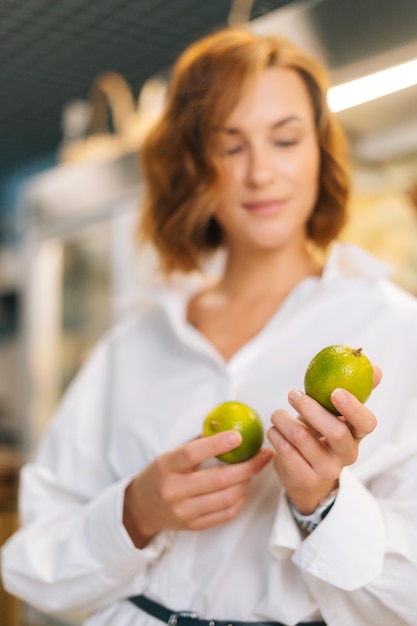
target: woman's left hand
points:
(313, 448)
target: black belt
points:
(190, 618)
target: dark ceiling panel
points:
(50, 53)
(356, 29)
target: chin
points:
(272, 240)
(269, 244)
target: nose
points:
(261, 170)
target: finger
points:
(318, 419)
(314, 451)
(313, 430)
(292, 466)
(218, 517)
(193, 453)
(360, 419)
(207, 504)
(215, 479)
(377, 375)
(337, 441)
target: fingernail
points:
(233, 438)
(339, 396)
(294, 395)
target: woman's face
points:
(270, 163)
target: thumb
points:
(193, 453)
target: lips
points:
(265, 207)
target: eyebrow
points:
(276, 125)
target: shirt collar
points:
(345, 260)
(349, 260)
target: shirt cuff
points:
(286, 536)
(347, 548)
(111, 543)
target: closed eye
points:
(234, 150)
(286, 143)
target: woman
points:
(124, 498)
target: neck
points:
(267, 274)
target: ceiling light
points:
(372, 86)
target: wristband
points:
(312, 520)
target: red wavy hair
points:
(181, 173)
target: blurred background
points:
(81, 82)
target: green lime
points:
(236, 416)
(339, 366)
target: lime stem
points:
(357, 351)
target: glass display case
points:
(80, 274)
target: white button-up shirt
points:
(147, 388)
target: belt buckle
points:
(173, 618)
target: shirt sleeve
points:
(356, 562)
(72, 550)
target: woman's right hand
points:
(175, 492)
